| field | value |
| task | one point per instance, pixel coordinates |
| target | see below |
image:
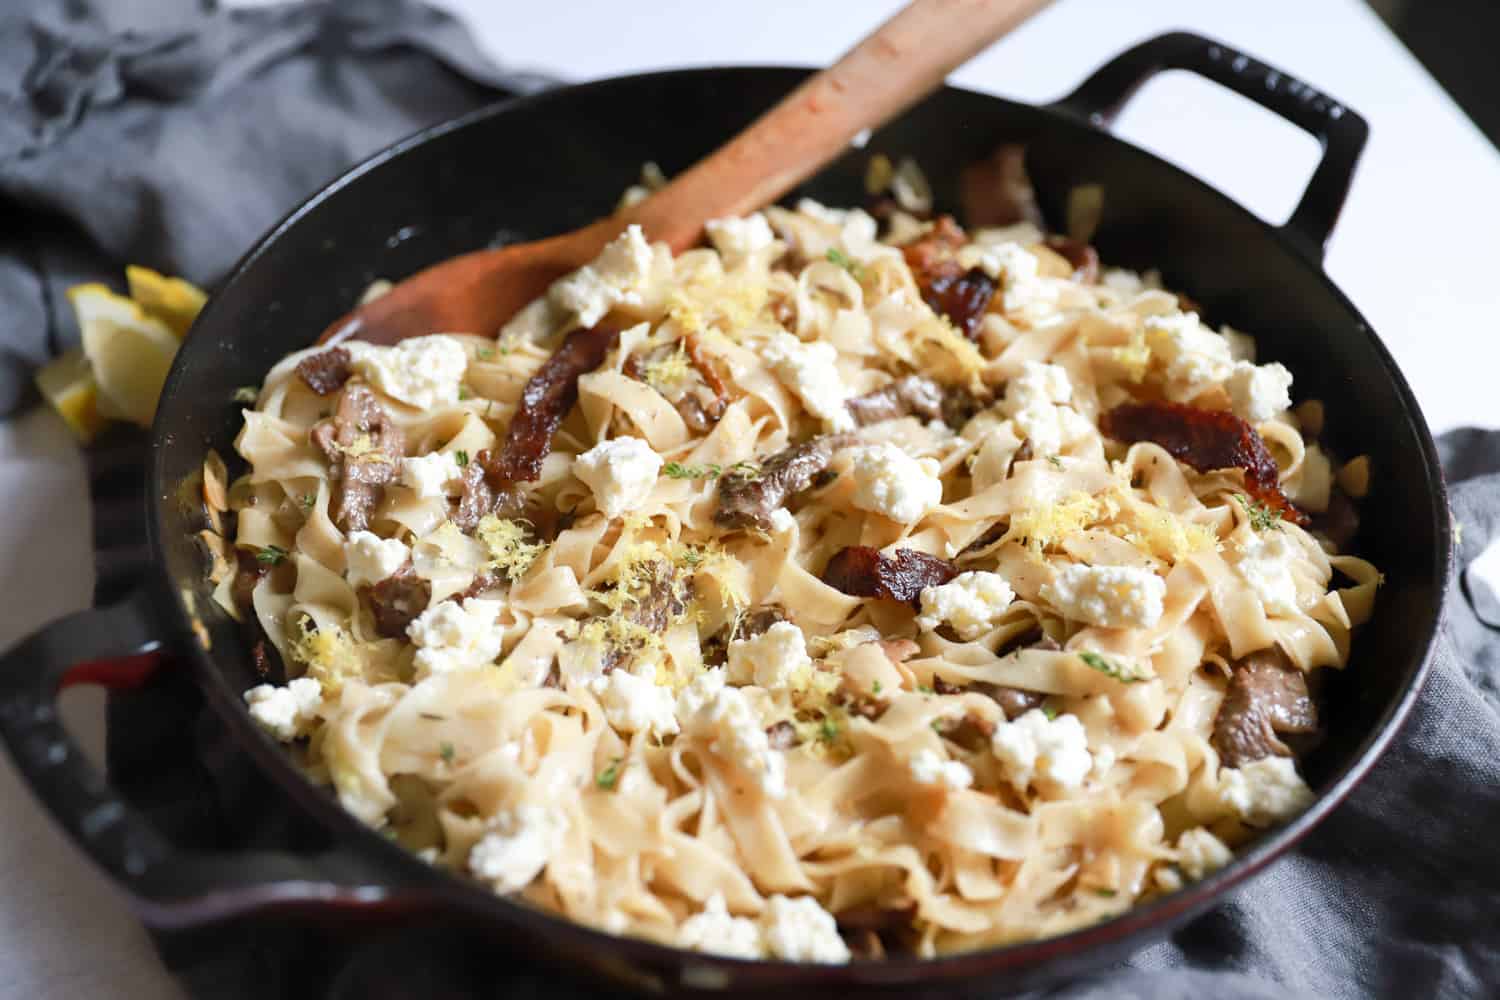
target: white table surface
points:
(1414, 250)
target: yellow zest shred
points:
(330, 654)
(1040, 527)
(509, 545)
(1135, 356)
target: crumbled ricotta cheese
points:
(368, 558)
(739, 240)
(420, 371)
(1200, 852)
(1034, 746)
(1120, 280)
(782, 521)
(452, 636)
(928, 767)
(517, 846)
(1108, 596)
(429, 475)
(811, 372)
(709, 710)
(1265, 564)
(634, 702)
(613, 278)
(716, 931)
(1264, 791)
(1031, 400)
(1259, 392)
(971, 603)
(1018, 271)
(1193, 355)
(800, 930)
(285, 712)
(620, 472)
(890, 482)
(774, 659)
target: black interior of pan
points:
(557, 162)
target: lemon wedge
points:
(173, 301)
(67, 382)
(130, 351)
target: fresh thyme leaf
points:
(485, 354)
(308, 500)
(461, 457)
(1106, 893)
(609, 776)
(247, 394)
(1123, 672)
(875, 687)
(1056, 462)
(828, 731)
(676, 470)
(463, 392)
(692, 556)
(746, 470)
(1262, 517)
(447, 751)
(925, 689)
(270, 555)
(837, 256)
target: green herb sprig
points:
(610, 776)
(271, 555)
(1262, 517)
(1125, 673)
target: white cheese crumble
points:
(928, 767)
(1264, 791)
(800, 930)
(429, 475)
(451, 636)
(1018, 271)
(1031, 401)
(716, 931)
(285, 712)
(739, 240)
(708, 710)
(1193, 355)
(1200, 852)
(421, 371)
(890, 482)
(634, 702)
(971, 603)
(517, 846)
(1034, 746)
(1259, 392)
(811, 372)
(368, 558)
(620, 472)
(613, 278)
(773, 659)
(1265, 564)
(1107, 596)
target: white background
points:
(1415, 250)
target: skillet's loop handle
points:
(1340, 131)
(118, 647)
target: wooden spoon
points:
(902, 61)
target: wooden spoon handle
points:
(901, 62)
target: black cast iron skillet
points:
(543, 164)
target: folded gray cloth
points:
(176, 145)
(176, 136)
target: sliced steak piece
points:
(479, 498)
(395, 601)
(1267, 696)
(364, 448)
(659, 596)
(997, 191)
(1205, 440)
(910, 395)
(327, 371)
(862, 571)
(782, 736)
(747, 497)
(547, 398)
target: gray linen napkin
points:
(121, 147)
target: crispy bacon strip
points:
(327, 371)
(547, 398)
(862, 571)
(1205, 439)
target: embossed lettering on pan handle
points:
(1340, 131)
(118, 646)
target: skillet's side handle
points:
(118, 647)
(1340, 131)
